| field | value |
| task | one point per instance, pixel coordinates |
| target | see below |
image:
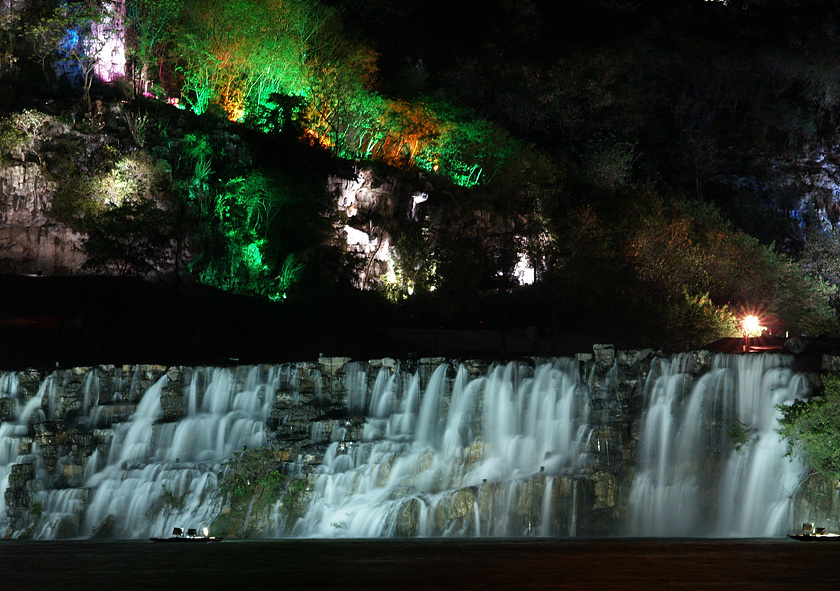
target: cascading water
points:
(440, 450)
(463, 470)
(154, 475)
(15, 445)
(692, 478)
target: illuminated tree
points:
(25, 128)
(240, 53)
(341, 102)
(820, 259)
(69, 36)
(152, 24)
(684, 249)
(44, 37)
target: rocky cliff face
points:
(32, 242)
(424, 447)
(783, 196)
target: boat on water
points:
(815, 537)
(192, 536)
(812, 534)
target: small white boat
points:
(812, 534)
(191, 536)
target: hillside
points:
(647, 174)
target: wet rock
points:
(28, 383)
(330, 366)
(172, 405)
(8, 409)
(106, 529)
(19, 494)
(604, 355)
(73, 475)
(174, 374)
(530, 499)
(604, 490)
(452, 510)
(408, 518)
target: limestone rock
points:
(604, 355)
(105, 530)
(332, 365)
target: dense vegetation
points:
(592, 134)
(812, 429)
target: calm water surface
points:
(423, 564)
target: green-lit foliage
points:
(275, 114)
(465, 148)
(151, 27)
(196, 146)
(248, 253)
(812, 429)
(290, 273)
(243, 56)
(233, 53)
(338, 93)
(235, 263)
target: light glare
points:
(752, 326)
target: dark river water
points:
(423, 564)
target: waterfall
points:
(564, 447)
(692, 478)
(155, 474)
(162, 475)
(465, 452)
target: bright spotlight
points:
(752, 326)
